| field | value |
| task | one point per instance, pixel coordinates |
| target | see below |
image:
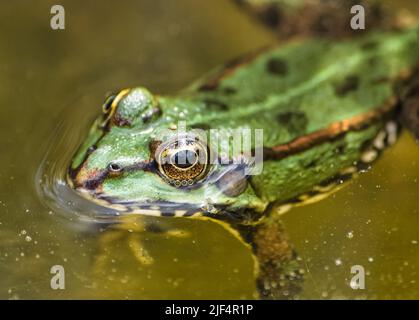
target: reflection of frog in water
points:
(327, 109)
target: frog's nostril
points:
(114, 168)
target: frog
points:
(326, 107)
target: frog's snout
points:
(88, 179)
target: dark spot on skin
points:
(215, 105)
(294, 122)
(202, 126)
(349, 84)
(341, 149)
(229, 90)
(370, 45)
(277, 66)
(381, 80)
(310, 164)
(210, 86)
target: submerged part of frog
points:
(326, 108)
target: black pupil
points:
(185, 159)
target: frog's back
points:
(305, 86)
(324, 117)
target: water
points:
(53, 83)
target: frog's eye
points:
(183, 162)
(107, 105)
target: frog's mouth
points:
(157, 209)
(212, 207)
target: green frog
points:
(324, 108)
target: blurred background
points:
(48, 76)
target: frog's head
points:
(135, 159)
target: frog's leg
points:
(277, 267)
(131, 228)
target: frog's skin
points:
(327, 109)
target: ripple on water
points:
(51, 178)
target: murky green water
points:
(48, 75)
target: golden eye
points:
(183, 162)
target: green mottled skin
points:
(306, 89)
